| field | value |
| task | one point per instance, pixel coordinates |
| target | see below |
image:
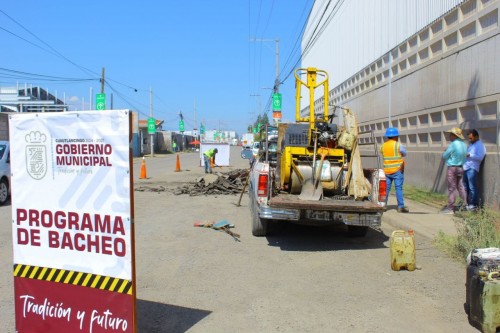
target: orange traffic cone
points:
(212, 162)
(177, 164)
(143, 169)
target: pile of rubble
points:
(215, 184)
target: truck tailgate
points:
(293, 201)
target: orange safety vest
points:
(393, 160)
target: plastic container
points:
(482, 289)
(402, 246)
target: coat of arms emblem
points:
(36, 155)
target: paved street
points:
(297, 279)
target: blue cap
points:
(391, 132)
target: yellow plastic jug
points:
(402, 246)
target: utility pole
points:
(277, 52)
(91, 93)
(151, 116)
(102, 81)
(195, 129)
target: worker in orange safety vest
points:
(393, 152)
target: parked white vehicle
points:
(247, 140)
(4, 171)
(255, 148)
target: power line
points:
(296, 47)
(33, 76)
(314, 36)
(268, 19)
(85, 70)
(53, 51)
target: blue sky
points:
(187, 51)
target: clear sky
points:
(188, 52)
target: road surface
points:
(297, 279)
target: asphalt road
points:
(297, 279)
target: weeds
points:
(437, 200)
(475, 230)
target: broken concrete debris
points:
(215, 184)
(231, 182)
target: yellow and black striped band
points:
(75, 278)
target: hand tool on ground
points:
(235, 236)
(243, 190)
(203, 224)
(222, 225)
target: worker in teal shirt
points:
(208, 155)
(455, 156)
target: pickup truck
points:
(311, 171)
(271, 204)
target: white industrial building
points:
(423, 66)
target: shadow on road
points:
(293, 237)
(159, 318)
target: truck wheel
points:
(259, 226)
(4, 191)
(357, 231)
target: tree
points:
(258, 126)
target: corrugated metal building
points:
(422, 66)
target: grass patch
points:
(437, 200)
(475, 230)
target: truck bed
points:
(285, 200)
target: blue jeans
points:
(398, 178)
(471, 188)
(208, 168)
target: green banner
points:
(151, 126)
(276, 102)
(100, 101)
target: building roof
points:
(143, 123)
(29, 99)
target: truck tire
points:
(4, 191)
(259, 226)
(357, 231)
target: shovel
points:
(312, 188)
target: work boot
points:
(403, 210)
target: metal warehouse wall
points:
(356, 32)
(444, 74)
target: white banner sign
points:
(71, 191)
